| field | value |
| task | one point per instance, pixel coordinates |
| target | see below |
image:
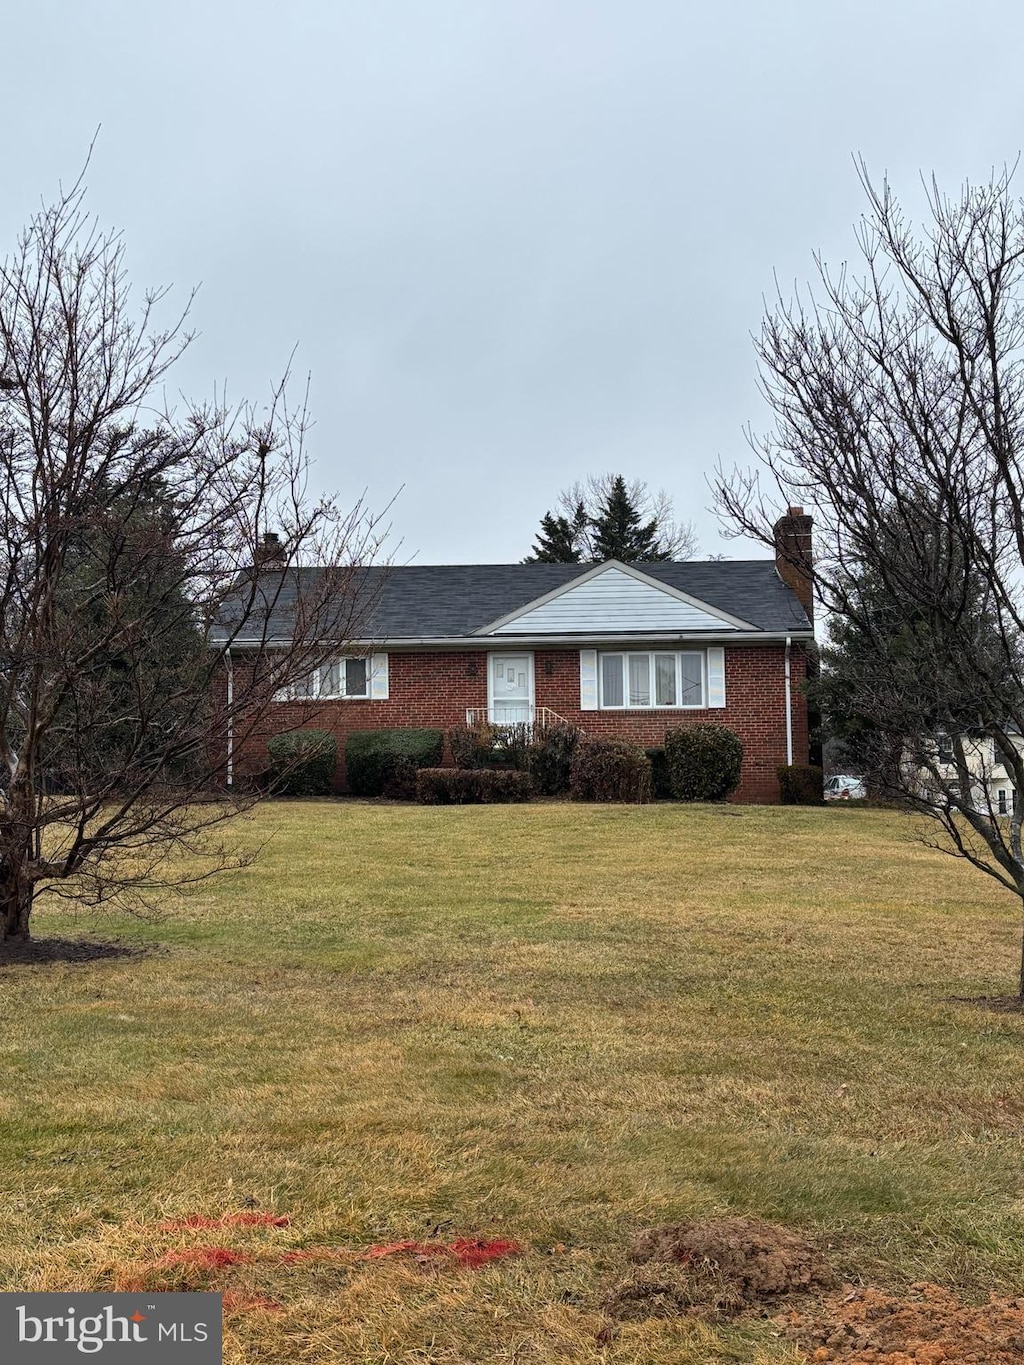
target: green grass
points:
(555, 1023)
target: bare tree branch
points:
(898, 398)
(129, 530)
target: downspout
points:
(789, 706)
(231, 718)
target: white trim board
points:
(582, 640)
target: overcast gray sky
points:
(515, 241)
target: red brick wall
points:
(431, 690)
(755, 693)
(435, 690)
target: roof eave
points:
(508, 642)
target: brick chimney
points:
(793, 557)
(270, 553)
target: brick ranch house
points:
(621, 650)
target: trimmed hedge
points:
(472, 786)
(400, 784)
(302, 762)
(384, 762)
(801, 784)
(704, 762)
(551, 755)
(661, 778)
(610, 770)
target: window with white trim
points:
(655, 679)
(338, 680)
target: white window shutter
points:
(379, 677)
(588, 679)
(716, 677)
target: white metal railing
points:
(536, 717)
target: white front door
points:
(511, 687)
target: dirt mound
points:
(716, 1269)
(929, 1326)
(672, 1291)
(757, 1260)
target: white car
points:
(845, 788)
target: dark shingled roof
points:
(432, 601)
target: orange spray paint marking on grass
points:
(197, 1221)
(474, 1253)
(466, 1250)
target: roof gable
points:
(611, 598)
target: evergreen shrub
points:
(383, 762)
(704, 762)
(610, 770)
(550, 757)
(801, 784)
(661, 778)
(302, 762)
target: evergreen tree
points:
(890, 678)
(619, 532)
(608, 518)
(560, 540)
(125, 589)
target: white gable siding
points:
(609, 602)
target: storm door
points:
(511, 689)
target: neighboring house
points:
(621, 650)
(993, 789)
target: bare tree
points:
(127, 530)
(898, 398)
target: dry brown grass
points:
(555, 1023)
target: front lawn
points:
(555, 1024)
